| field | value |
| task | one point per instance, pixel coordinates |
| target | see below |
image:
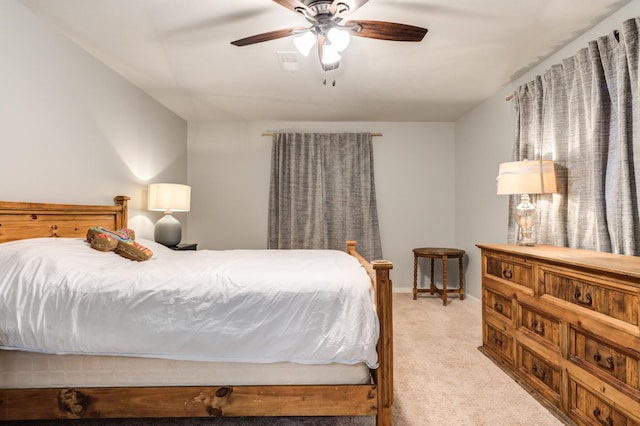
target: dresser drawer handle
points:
(609, 365)
(608, 421)
(498, 307)
(538, 327)
(542, 375)
(507, 273)
(496, 339)
(588, 301)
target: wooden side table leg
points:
(444, 280)
(432, 286)
(461, 272)
(415, 276)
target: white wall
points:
(484, 139)
(414, 171)
(74, 131)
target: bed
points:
(141, 387)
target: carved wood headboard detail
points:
(21, 220)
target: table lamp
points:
(169, 198)
(526, 177)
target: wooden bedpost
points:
(122, 200)
(378, 271)
(384, 373)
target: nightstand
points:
(185, 247)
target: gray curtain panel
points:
(583, 114)
(322, 192)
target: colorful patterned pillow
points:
(134, 251)
(104, 240)
(120, 241)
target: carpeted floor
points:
(440, 377)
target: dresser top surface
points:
(605, 262)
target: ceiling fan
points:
(329, 32)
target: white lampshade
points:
(169, 196)
(527, 177)
(304, 42)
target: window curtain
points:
(322, 192)
(584, 115)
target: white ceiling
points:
(179, 52)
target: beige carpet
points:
(440, 377)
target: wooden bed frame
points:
(19, 220)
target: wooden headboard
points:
(20, 220)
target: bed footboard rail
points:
(187, 401)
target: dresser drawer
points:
(538, 325)
(606, 361)
(541, 374)
(498, 341)
(511, 270)
(616, 301)
(495, 302)
(587, 408)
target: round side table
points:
(443, 254)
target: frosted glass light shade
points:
(339, 38)
(169, 196)
(329, 54)
(305, 42)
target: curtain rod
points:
(272, 133)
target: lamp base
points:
(168, 231)
(523, 241)
(526, 216)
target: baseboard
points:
(409, 290)
(524, 385)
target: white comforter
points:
(57, 295)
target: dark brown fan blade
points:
(271, 35)
(387, 30)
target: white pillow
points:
(156, 248)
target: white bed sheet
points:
(260, 306)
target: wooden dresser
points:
(566, 323)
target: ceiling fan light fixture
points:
(327, 31)
(305, 42)
(339, 38)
